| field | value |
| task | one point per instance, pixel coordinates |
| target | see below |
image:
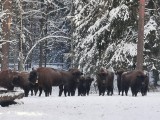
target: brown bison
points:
(70, 81)
(22, 81)
(105, 81)
(81, 86)
(48, 77)
(133, 79)
(119, 74)
(84, 85)
(89, 81)
(6, 77)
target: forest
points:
(87, 34)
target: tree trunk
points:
(140, 44)
(21, 57)
(45, 34)
(6, 34)
(42, 35)
(41, 54)
(72, 31)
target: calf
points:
(84, 85)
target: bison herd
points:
(44, 78)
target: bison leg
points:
(72, 93)
(126, 92)
(108, 92)
(65, 91)
(136, 94)
(60, 90)
(50, 91)
(103, 93)
(122, 92)
(100, 90)
(35, 88)
(69, 93)
(40, 91)
(133, 91)
(47, 92)
(79, 93)
(35, 91)
(87, 91)
(111, 91)
(31, 92)
(118, 92)
(26, 92)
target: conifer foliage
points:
(106, 34)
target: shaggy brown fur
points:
(134, 80)
(48, 77)
(119, 74)
(105, 81)
(22, 81)
(6, 77)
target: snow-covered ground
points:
(91, 107)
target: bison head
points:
(102, 78)
(89, 80)
(33, 76)
(140, 80)
(76, 73)
(119, 72)
(16, 81)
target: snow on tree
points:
(106, 34)
(39, 20)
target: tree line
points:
(33, 32)
(91, 32)
(106, 34)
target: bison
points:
(6, 78)
(81, 86)
(119, 74)
(84, 85)
(133, 79)
(88, 84)
(70, 80)
(22, 81)
(105, 81)
(48, 77)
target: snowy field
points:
(91, 107)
